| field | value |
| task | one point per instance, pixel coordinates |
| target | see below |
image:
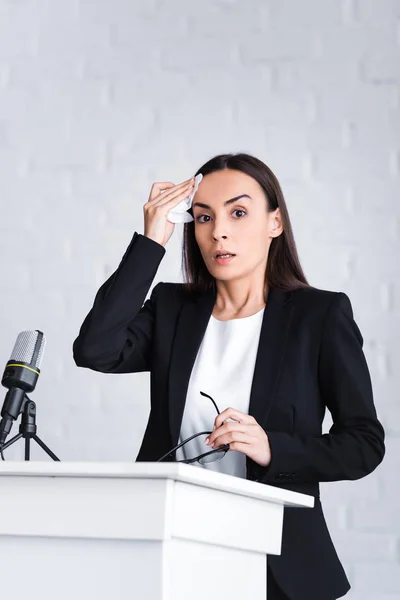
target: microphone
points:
(20, 376)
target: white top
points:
(223, 369)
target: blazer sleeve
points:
(116, 335)
(354, 446)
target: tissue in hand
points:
(179, 213)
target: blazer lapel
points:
(273, 337)
(191, 326)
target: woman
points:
(271, 350)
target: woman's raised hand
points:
(164, 195)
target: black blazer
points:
(309, 357)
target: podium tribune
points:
(141, 530)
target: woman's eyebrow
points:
(202, 205)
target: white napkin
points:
(179, 213)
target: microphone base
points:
(27, 430)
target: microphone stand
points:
(28, 429)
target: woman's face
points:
(245, 223)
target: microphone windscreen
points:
(29, 348)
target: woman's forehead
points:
(223, 185)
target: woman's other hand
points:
(244, 435)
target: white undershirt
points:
(223, 369)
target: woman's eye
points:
(236, 210)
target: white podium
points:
(143, 531)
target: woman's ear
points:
(276, 223)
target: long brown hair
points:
(283, 269)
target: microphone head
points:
(23, 368)
(29, 348)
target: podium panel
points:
(155, 531)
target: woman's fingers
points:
(164, 195)
(237, 415)
(165, 188)
(233, 436)
(228, 429)
(174, 195)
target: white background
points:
(99, 99)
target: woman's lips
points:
(224, 261)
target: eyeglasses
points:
(207, 457)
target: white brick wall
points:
(99, 99)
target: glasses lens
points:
(212, 457)
(197, 446)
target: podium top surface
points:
(154, 470)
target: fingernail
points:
(206, 440)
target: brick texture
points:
(100, 99)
